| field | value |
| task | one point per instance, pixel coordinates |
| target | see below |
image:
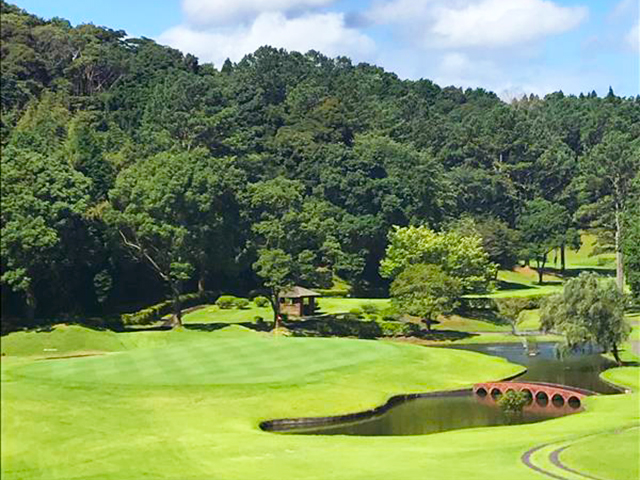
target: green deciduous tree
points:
(608, 174)
(501, 243)
(459, 256)
(277, 269)
(631, 248)
(425, 291)
(43, 200)
(168, 208)
(543, 226)
(589, 310)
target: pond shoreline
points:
(302, 423)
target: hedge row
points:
(352, 327)
(155, 312)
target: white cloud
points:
(325, 32)
(400, 11)
(222, 12)
(478, 23)
(496, 23)
(633, 37)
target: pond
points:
(444, 411)
(575, 369)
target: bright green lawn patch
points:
(332, 305)
(606, 455)
(124, 417)
(257, 358)
(62, 340)
(214, 314)
(498, 337)
(626, 376)
(585, 258)
(343, 305)
(635, 332)
(530, 320)
(65, 340)
(465, 324)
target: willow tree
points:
(588, 311)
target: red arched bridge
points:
(540, 394)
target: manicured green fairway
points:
(186, 405)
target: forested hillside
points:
(130, 172)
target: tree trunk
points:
(201, 281)
(428, 322)
(541, 264)
(275, 305)
(32, 303)
(177, 307)
(614, 350)
(563, 261)
(619, 256)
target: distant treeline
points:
(130, 172)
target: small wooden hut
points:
(298, 301)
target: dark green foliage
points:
(369, 308)
(350, 326)
(544, 226)
(156, 312)
(119, 152)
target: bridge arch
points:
(539, 394)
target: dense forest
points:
(132, 173)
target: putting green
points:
(227, 360)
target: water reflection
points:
(576, 369)
(431, 415)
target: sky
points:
(511, 47)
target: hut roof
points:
(298, 292)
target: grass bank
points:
(186, 405)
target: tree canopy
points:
(114, 146)
(588, 310)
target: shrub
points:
(226, 301)
(241, 303)
(155, 312)
(513, 401)
(369, 308)
(397, 329)
(261, 301)
(356, 312)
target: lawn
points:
(331, 305)
(187, 404)
(523, 281)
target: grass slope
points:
(151, 412)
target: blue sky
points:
(508, 46)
